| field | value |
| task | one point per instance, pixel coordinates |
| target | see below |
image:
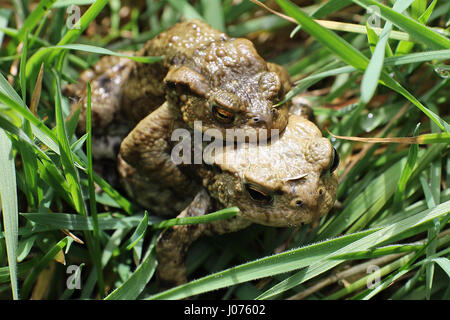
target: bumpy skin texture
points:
(293, 172)
(290, 181)
(146, 167)
(204, 67)
(204, 70)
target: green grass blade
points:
(371, 277)
(418, 31)
(29, 161)
(72, 177)
(418, 7)
(25, 246)
(23, 61)
(405, 47)
(33, 19)
(427, 13)
(334, 43)
(22, 269)
(373, 71)
(378, 252)
(104, 51)
(372, 37)
(8, 197)
(407, 267)
(390, 249)
(138, 233)
(207, 218)
(400, 195)
(69, 221)
(92, 198)
(66, 153)
(40, 265)
(9, 97)
(418, 57)
(444, 263)
(430, 251)
(213, 13)
(134, 285)
(49, 173)
(120, 200)
(30, 169)
(381, 188)
(185, 9)
(388, 62)
(65, 3)
(365, 243)
(9, 91)
(76, 222)
(267, 266)
(351, 56)
(36, 59)
(4, 17)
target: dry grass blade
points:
(341, 276)
(366, 148)
(37, 92)
(336, 25)
(74, 237)
(407, 140)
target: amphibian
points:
(288, 181)
(222, 83)
(204, 76)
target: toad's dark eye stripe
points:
(222, 115)
(258, 195)
(335, 161)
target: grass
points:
(384, 84)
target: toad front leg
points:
(173, 243)
(147, 169)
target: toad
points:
(288, 181)
(204, 75)
(222, 83)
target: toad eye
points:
(334, 161)
(221, 114)
(258, 195)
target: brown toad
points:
(287, 181)
(204, 76)
(223, 83)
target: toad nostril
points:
(320, 191)
(297, 202)
(261, 121)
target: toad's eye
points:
(334, 161)
(258, 195)
(221, 114)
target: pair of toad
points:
(221, 81)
